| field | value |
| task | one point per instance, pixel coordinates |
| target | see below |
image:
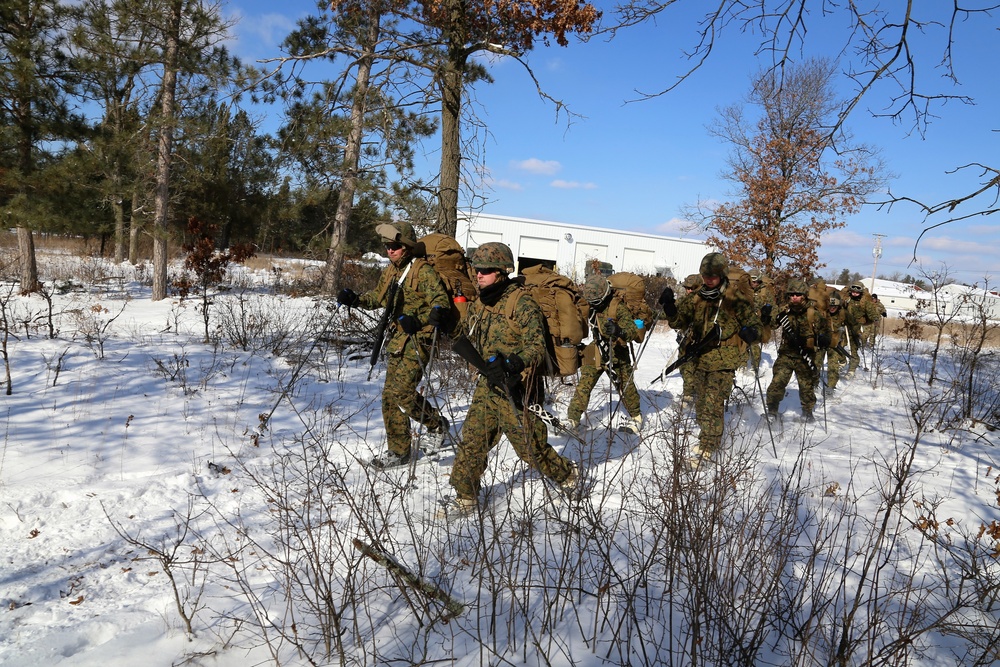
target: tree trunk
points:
(163, 154)
(352, 157)
(451, 154)
(118, 205)
(134, 229)
(29, 266)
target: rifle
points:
(796, 342)
(604, 349)
(694, 350)
(382, 324)
(512, 388)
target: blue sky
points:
(634, 165)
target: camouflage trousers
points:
(589, 375)
(688, 373)
(784, 367)
(401, 401)
(490, 416)
(834, 361)
(854, 360)
(712, 389)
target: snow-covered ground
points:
(150, 481)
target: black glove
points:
(495, 373)
(348, 297)
(824, 339)
(765, 314)
(513, 365)
(409, 324)
(612, 330)
(749, 335)
(438, 317)
(667, 303)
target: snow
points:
(133, 451)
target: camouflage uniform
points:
(763, 295)
(732, 310)
(604, 307)
(861, 313)
(806, 323)
(407, 355)
(834, 359)
(691, 285)
(491, 413)
(876, 326)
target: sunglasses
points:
(393, 246)
(486, 272)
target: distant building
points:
(568, 248)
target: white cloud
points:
(535, 166)
(679, 227)
(572, 185)
(507, 185)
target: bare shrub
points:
(251, 322)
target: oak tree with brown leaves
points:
(793, 181)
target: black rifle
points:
(796, 342)
(842, 350)
(694, 350)
(390, 305)
(604, 350)
(512, 386)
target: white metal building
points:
(567, 247)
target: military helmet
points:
(756, 276)
(835, 299)
(693, 281)
(796, 286)
(493, 255)
(596, 289)
(397, 231)
(857, 287)
(714, 264)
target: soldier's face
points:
(486, 277)
(711, 282)
(394, 251)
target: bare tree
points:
(901, 61)
(793, 181)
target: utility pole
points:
(876, 253)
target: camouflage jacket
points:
(763, 295)
(805, 324)
(414, 298)
(492, 332)
(731, 312)
(623, 317)
(863, 311)
(838, 323)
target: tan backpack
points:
(819, 294)
(565, 317)
(448, 258)
(631, 288)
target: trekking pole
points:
(767, 418)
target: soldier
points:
(720, 315)
(862, 313)
(417, 303)
(691, 285)
(613, 327)
(802, 328)
(876, 326)
(763, 300)
(512, 341)
(834, 358)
